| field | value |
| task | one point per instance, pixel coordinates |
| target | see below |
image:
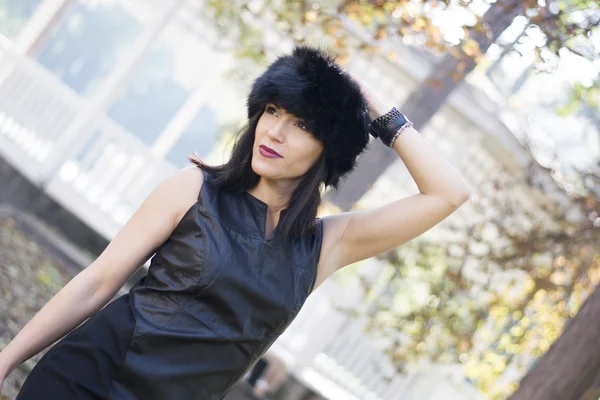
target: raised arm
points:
(353, 236)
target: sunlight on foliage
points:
(493, 312)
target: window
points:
(88, 45)
(14, 14)
(200, 136)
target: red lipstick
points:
(268, 152)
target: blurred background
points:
(100, 100)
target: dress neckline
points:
(261, 210)
(244, 213)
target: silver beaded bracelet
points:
(403, 127)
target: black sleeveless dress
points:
(216, 296)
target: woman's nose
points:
(277, 131)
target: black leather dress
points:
(216, 296)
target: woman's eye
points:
(271, 109)
(302, 125)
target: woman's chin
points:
(264, 171)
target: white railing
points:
(329, 350)
(358, 365)
(35, 108)
(110, 174)
(109, 178)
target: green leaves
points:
(582, 97)
(449, 302)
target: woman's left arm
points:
(353, 236)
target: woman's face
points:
(283, 148)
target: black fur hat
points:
(310, 85)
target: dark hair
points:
(237, 176)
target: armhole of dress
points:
(319, 240)
(192, 209)
(205, 179)
(317, 257)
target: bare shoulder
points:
(148, 227)
(189, 180)
(174, 196)
(182, 189)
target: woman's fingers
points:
(194, 157)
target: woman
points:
(237, 248)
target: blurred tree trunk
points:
(570, 369)
(422, 104)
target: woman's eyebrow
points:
(284, 111)
(281, 109)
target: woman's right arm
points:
(91, 289)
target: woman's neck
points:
(275, 195)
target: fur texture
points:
(309, 84)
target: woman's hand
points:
(375, 106)
(195, 158)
